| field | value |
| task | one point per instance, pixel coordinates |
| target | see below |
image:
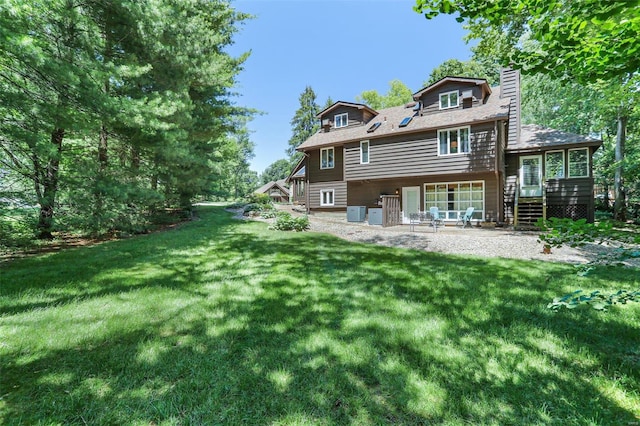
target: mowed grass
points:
(227, 322)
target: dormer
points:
(345, 114)
(451, 93)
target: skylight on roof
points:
(405, 121)
(373, 127)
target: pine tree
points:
(121, 105)
(304, 123)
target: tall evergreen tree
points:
(304, 122)
(45, 92)
(120, 104)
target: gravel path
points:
(481, 242)
(450, 240)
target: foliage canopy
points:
(587, 40)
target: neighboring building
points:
(276, 190)
(459, 144)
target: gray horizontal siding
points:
(356, 116)
(431, 100)
(570, 191)
(398, 157)
(325, 175)
(339, 196)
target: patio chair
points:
(465, 219)
(436, 219)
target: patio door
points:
(531, 176)
(410, 202)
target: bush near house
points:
(286, 222)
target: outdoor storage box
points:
(356, 213)
(375, 216)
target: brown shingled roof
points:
(494, 109)
(270, 185)
(536, 138)
(347, 104)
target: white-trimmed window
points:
(453, 198)
(326, 197)
(449, 100)
(341, 120)
(327, 158)
(554, 164)
(364, 152)
(579, 162)
(454, 141)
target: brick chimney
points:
(510, 88)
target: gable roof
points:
(270, 185)
(537, 138)
(298, 171)
(345, 104)
(450, 79)
(494, 109)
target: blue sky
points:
(338, 47)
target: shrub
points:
(259, 199)
(269, 214)
(596, 299)
(623, 245)
(17, 228)
(559, 232)
(286, 222)
(251, 207)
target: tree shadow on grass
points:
(308, 328)
(165, 259)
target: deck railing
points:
(390, 210)
(515, 202)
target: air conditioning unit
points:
(326, 123)
(467, 94)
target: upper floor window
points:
(341, 120)
(327, 158)
(364, 152)
(454, 141)
(449, 100)
(579, 162)
(554, 165)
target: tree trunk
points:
(103, 165)
(103, 155)
(619, 206)
(135, 158)
(49, 188)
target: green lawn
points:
(226, 322)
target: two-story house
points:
(459, 144)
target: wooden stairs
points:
(529, 211)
